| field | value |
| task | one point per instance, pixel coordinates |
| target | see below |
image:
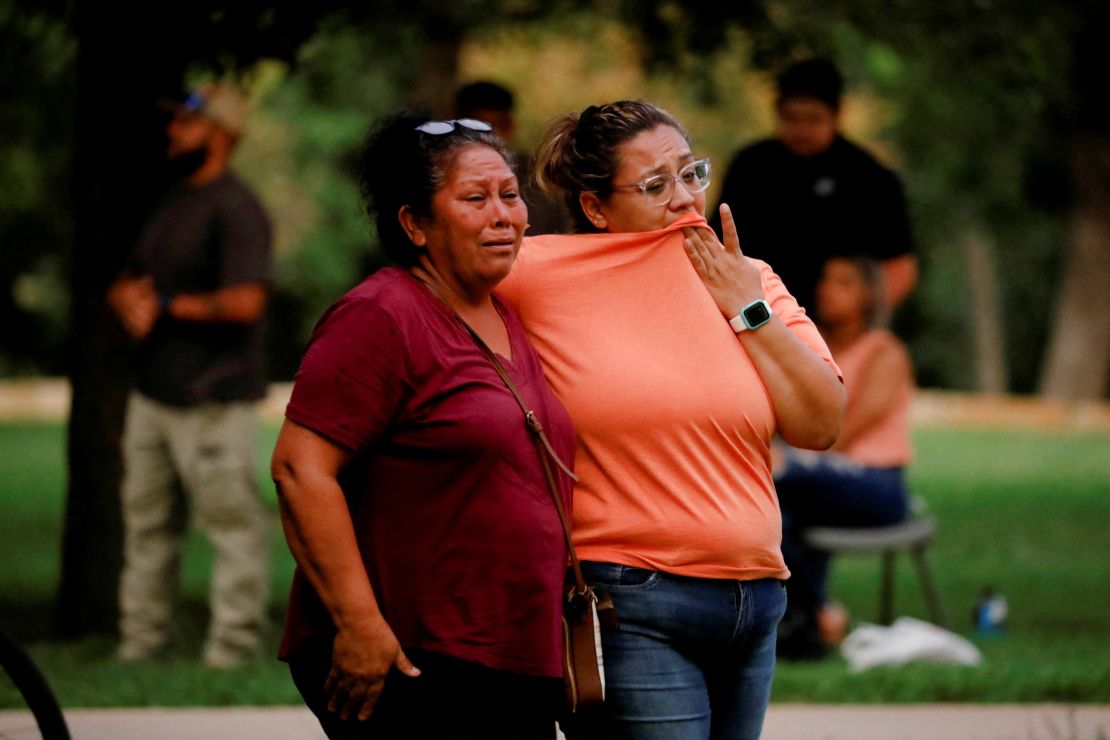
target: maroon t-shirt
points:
(456, 525)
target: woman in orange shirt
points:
(679, 359)
(860, 482)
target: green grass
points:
(1027, 513)
(83, 672)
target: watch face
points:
(756, 315)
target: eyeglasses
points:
(438, 128)
(659, 188)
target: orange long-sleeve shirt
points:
(673, 420)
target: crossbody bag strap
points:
(544, 449)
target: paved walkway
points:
(784, 722)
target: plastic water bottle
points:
(990, 613)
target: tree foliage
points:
(36, 91)
(991, 98)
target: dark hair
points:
(482, 96)
(400, 166)
(579, 151)
(870, 271)
(813, 78)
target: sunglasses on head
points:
(438, 128)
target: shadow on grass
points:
(28, 621)
(32, 621)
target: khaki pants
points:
(198, 459)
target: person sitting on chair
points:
(860, 481)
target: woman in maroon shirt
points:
(430, 556)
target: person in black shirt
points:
(809, 194)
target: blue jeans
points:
(693, 658)
(828, 490)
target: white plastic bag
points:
(870, 645)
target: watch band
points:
(751, 316)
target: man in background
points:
(809, 194)
(494, 104)
(193, 297)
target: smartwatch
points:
(751, 316)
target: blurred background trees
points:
(993, 111)
(36, 109)
(990, 110)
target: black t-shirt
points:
(198, 240)
(796, 212)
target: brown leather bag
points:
(583, 607)
(583, 668)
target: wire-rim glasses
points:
(438, 128)
(695, 177)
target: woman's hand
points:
(317, 523)
(362, 657)
(806, 394)
(731, 278)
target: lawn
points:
(1027, 513)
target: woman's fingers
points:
(728, 230)
(703, 238)
(363, 702)
(705, 251)
(731, 278)
(353, 705)
(362, 657)
(690, 246)
(363, 706)
(351, 696)
(336, 690)
(405, 666)
(695, 251)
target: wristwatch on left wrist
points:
(751, 316)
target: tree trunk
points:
(92, 540)
(434, 85)
(120, 76)
(990, 347)
(1078, 358)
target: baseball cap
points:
(223, 104)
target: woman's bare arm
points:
(321, 536)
